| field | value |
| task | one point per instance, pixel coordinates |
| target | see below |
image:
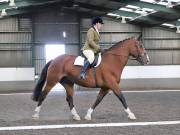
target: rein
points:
(117, 54)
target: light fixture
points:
(3, 13)
(169, 25)
(75, 5)
(157, 1)
(4, 0)
(143, 13)
(12, 3)
(177, 29)
(123, 19)
(169, 5)
(113, 15)
(64, 34)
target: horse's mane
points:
(120, 43)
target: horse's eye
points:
(141, 46)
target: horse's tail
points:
(38, 88)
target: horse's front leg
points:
(100, 96)
(115, 88)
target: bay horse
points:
(108, 74)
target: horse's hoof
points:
(132, 116)
(76, 117)
(87, 117)
(35, 117)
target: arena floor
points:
(157, 112)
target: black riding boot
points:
(83, 70)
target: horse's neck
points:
(120, 55)
(121, 50)
(116, 60)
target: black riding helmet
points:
(97, 20)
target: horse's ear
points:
(140, 37)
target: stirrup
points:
(83, 76)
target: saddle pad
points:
(79, 61)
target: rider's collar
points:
(96, 29)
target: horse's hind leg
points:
(68, 85)
(46, 89)
(100, 96)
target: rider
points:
(91, 47)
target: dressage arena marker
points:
(133, 91)
(159, 123)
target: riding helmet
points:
(97, 20)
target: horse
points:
(108, 74)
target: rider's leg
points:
(83, 70)
(90, 58)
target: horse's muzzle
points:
(144, 59)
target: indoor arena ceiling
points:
(164, 13)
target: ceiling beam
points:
(63, 3)
(17, 12)
(126, 13)
(27, 3)
(142, 4)
(31, 6)
(149, 18)
(94, 7)
(25, 6)
(138, 17)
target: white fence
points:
(163, 71)
(17, 74)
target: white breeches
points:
(89, 55)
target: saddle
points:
(79, 61)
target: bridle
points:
(139, 56)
